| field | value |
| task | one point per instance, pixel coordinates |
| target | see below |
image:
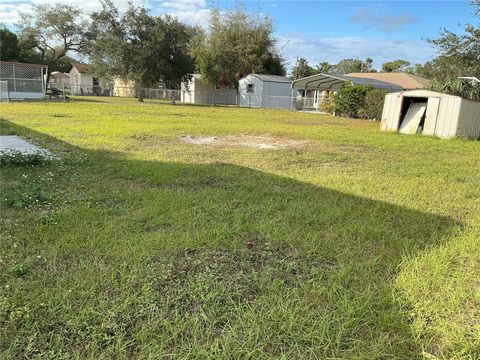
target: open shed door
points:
(412, 118)
(431, 116)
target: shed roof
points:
(335, 82)
(405, 80)
(425, 94)
(273, 78)
(59, 75)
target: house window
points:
(249, 88)
(95, 82)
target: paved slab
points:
(14, 143)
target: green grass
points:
(360, 245)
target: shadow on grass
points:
(189, 260)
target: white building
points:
(59, 80)
(198, 91)
(84, 82)
(265, 91)
(431, 113)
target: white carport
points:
(328, 82)
(317, 85)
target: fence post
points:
(63, 92)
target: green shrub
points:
(327, 105)
(350, 99)
(373, 105)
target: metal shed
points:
(198, 91)
(431, 113)
(265, 91)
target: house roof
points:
(406, 81)
(273, 78)
(334, 82)
(81, 67)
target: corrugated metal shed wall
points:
(469, 124)
(391, 112)
(446, 116)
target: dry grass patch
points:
(265, 141)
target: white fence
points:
(24, 81)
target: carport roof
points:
(335, 82)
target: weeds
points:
(17, 158)
(21, 270)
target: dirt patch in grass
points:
(265, 141)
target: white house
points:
(265, 91)
(198, 91)
(431, 113)
(84, 82)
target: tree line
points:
(345, 66)
(143, 48)
(151, 49)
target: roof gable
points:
(81, 67)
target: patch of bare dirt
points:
(253, 141)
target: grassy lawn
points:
(356, 245)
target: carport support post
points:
(304, 98)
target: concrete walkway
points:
(14, 143)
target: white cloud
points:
(10, 12)
(194, 12)
(383, 22)
(10, 9)
(333, 49)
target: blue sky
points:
(320, 30)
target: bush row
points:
(361, 101)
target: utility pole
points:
(296, 69)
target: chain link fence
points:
(23, 81)
(219, 97)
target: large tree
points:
(459, 55)
(138, 47)
(9, 47)
(325, 67)
(395, 66)
(302, 69)
(346, 66)
(236, 44)
(53, 31)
